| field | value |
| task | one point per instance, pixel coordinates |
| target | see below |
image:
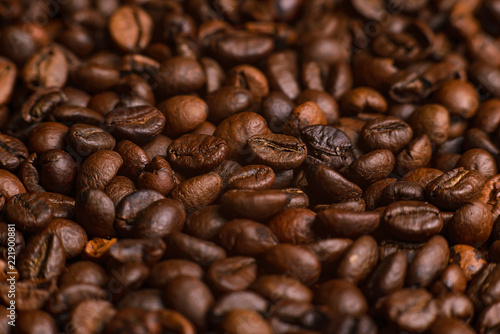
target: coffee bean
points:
(30, 212)
(253, 177)
(86, 139)
(429, 262)
(42, 258)
(95, 211)
(387, 133)
(329, 145)
(471, 224)
(371, 167)
(363, 251)
(279, 152)
(165, 271)
(255, 204)
(455, 188)
(246, 237)
(98, 170)
(345, 224)
(232, 274)
(412, 221)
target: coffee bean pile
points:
(249, 166)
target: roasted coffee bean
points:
(57, 171)
(277, 151)
(199, 191)
(279, 287)
(363, 99)
(276, 109)
(480, 160)
(41, 103)
(190, 248)
(12, 152)
(237, 129)
(8, 72)
(47, 136)
(227, 101)
(157, 175)
(183, 114)
(471, 224)
(42, 258)
(459, 97)
(293, 261)
(246, 237)
(371, 167)
(205, 223)
(389, 276)
(30, 212)
(165, 271)
(131, 28)
(388, 133)
(294, 226)
(248, 321)
(46, 68)
(118, 188)
(341, 296)
(134, 159)
(160, 219)
(253, 177)
(455, 188)
(432, 120)
(418, 154)
(197, 152)
(131, 205)
(36, 321)
(84, 272)
(232, 274)
(255, 204)
(92, 315)
(86, 139)
(329, 145)
(345, 224)
(73, 237)
(332, 185)
(138, 124)
(329, 251)
(306, 114)
(412, 221)
(98, 170)
(359, 260)
(139, 320)
(411, 309)
(239, 300)
(198, 303)
(173, 79)
(95, 211)
(430, 261)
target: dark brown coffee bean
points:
(455, 188)
(276, 109)
(145, 299)
(246, 237)
(73, 237)
(131, 28)
(239, 300)
(429, 263)
(86, 139)
(471, 224)
(412, 221)
(254, 177)
(98, 170)
(411, 309)
(36, 321)
(197, 152)
(183, 114)
(294, 226)
(232, 274)
(227, 101)
(165, 271)
(341, 296)
(12, 152)
(249, 321)
(8, 72)
(95, 211)
(160, 219)
(57, 171)
(278, 287)
(200, 251)
(30, 212)
(205, 223)
(389, 276)
(199, 191)
(329, 251)
(173, 79)
(74, 114)
(92, 315)
(304, 115)
(345, 224)
(255, 204)
(371, 167)
(133, 318)
(118, 188)
(418, 154)
(480, 160)
(422, 175)
(42, 258)
(47, 136)
(241, 46)
(130, 207)
(157, 175)
(237, 129)
(359, 260)
(432, 120)
(41, 103)
(138, 124)
(363, 99)
(134, 159)
(46, 68)
(84, 272)
(450, 325)
(459, 97)
(198, 302)
(277, 151)
(332, 185)
(387, 133)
